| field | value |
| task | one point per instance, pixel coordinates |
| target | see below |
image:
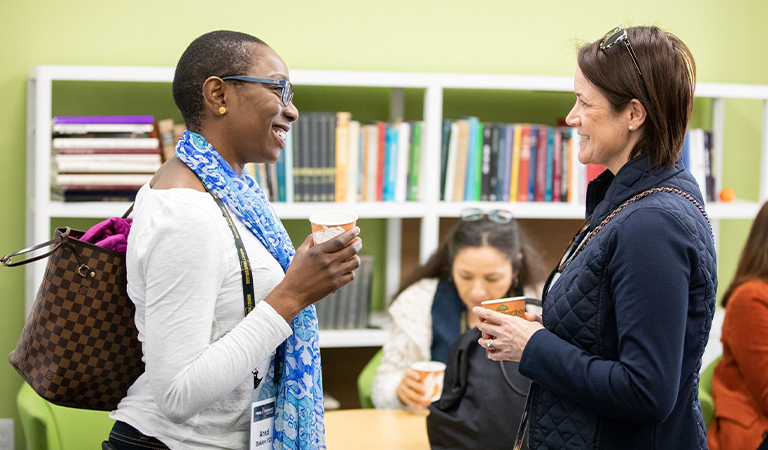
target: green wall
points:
(485, 36)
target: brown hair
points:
(507, 238)
(753, 263)
(669, 73)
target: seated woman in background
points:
(740, 381)
(486, 257)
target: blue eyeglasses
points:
(286, 95)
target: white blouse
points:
(184, 278)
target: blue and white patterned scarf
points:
(299, 417)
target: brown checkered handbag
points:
(79, 347)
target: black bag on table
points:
(481, 403)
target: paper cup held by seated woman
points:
(329, 224)
(513, 306)
(431, 374)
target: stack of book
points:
(103, 158)
(331, 158)
(348, 307)
(510, 162)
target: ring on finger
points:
(490, 345)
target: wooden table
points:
(375, 429)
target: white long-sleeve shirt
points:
(184, 278)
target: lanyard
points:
(247, 278)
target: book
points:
(414, 164)
(548, 177)
(557, 166)
(60, 120)
(129, 143)
(450, 167)
(103, 128)
(445, 143)
(533, 164)
(364, 278)
(371, 136)
(509, 140)
(353, 160)
(514, 182)
(493, 195)
(402, 160)
(380, 167)
(524, 133)
(392, 152)
(474, 161)
(299, 130)
(108, 179)
(502, 183)
(168, 143)
(565, 163)
(541, 163)
(342, 155)
(107, 167)
(460, 176)
(485, 162)
(319, 157)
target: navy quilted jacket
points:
(617, 365)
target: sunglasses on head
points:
(617, 35)
(494, 215)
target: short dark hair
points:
(218, 53)
(669, 72)
(507, 238)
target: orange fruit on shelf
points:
(727, 195)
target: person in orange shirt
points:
(740, 380)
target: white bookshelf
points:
(40, 208)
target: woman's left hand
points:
(510, 334)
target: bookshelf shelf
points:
(353, 338)
(40, 208)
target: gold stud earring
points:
(222, 110)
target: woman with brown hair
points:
(740, 381)
(615, 356)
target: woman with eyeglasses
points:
(616, 353)
(740, 379)
(224, 304)
(485, 257)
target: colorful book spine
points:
(556, 166)
(61, 120)
(391, 164)
(485, 163)
(353, 160)
(414, 166)
(514, 182)
(460, 177)
(509, 140)
(472, 159)
(450, 168)
(524, 131)
(533, 163)
(497, 175)
(548, 176)
(445, 143)
(382, 152)
(403, 144)
(342, 155)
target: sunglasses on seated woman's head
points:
(494, 215)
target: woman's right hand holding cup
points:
(316, 271)
(411, 391)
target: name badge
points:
(262, 423)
